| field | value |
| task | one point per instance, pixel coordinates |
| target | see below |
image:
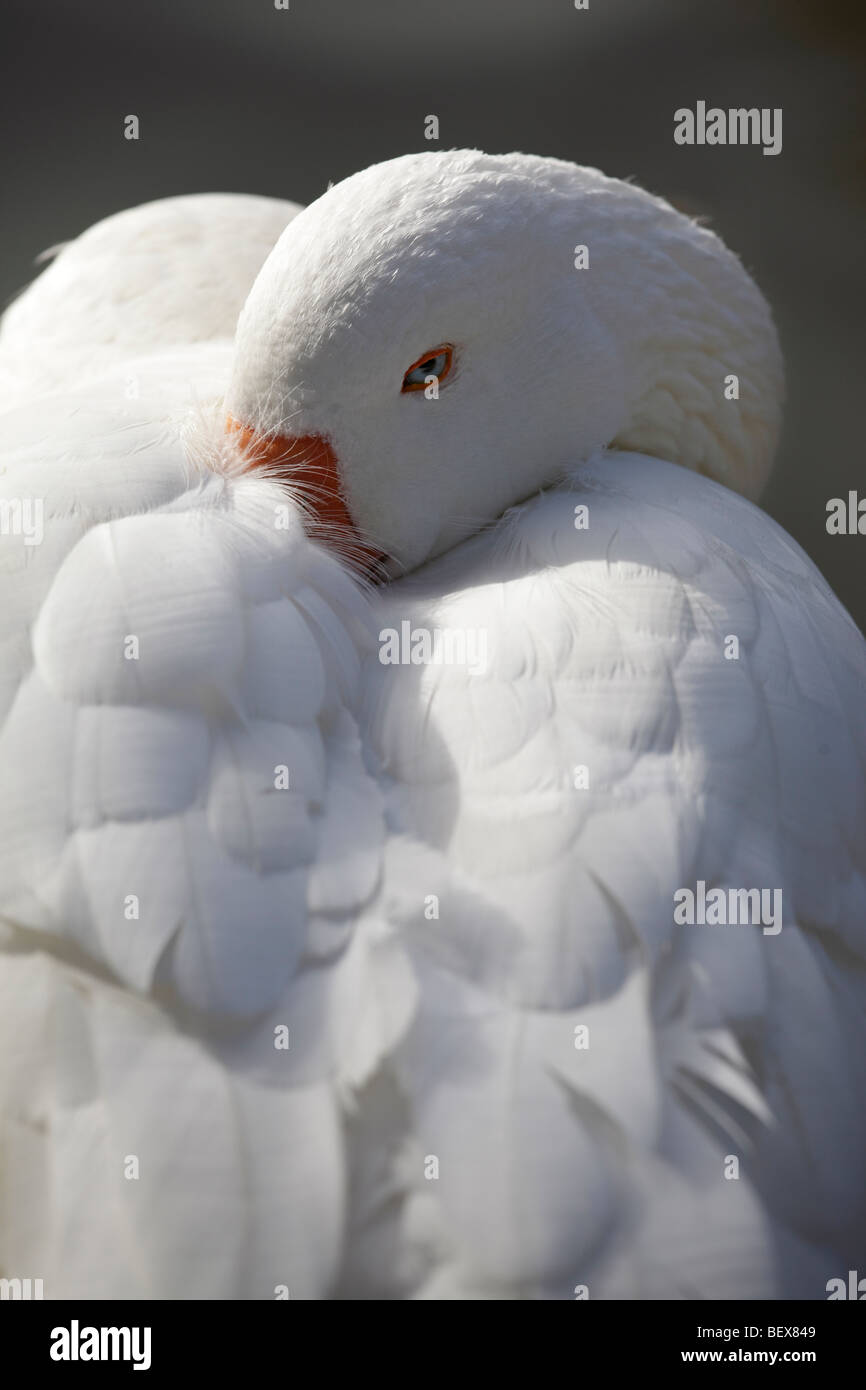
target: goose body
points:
(335, 971)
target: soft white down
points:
(339, 1023)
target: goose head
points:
(429, 344)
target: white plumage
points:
(435, 904)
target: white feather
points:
(341, 1025)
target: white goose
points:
(326, 977)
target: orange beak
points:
(309, 465)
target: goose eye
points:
(436, 362)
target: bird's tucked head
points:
(440, 336)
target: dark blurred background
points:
(237, 95)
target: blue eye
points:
(437, 362)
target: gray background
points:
(235, 95)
